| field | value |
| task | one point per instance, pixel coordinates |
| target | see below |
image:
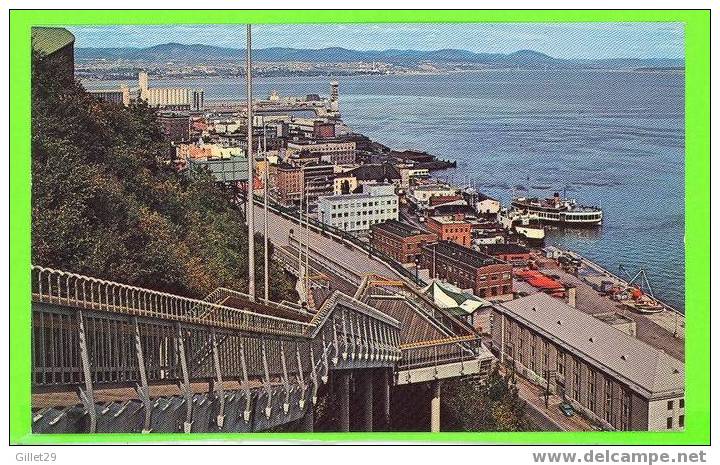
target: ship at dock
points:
(525, 225)
(559, 211)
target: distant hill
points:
(521, 58)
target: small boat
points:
(527, 226)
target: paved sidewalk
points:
(550, 416)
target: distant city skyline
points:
(560, 40)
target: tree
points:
(491, 405)
(107, 201)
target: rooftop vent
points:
(559, 322)
(591, 340)
(623, 357)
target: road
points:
(548, 418)
(348, 255)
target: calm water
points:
(614, 139)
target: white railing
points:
(70, 289)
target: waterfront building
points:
(466, 268)
(612, 377)
(409, 174)
(376, 174)
(436, 200)
(170, 98)
(358, 212)
(323, 130)
(420, 195)
(515, 254)
(338, 152)
(485, 205)
(451, 228)
(456, 208)
(400, 241)
(474, 310)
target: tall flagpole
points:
(265, 211)
(251, 171)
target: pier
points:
(664, 330)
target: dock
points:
(664, 330)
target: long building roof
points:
(461, 254)
(399, 228)
(644, 368)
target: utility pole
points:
(251, 171)
(266, 179)
(307, 245)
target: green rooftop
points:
(49, 40)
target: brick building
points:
(451, 228)
(514, 254)
(400, 240)
(288, 182)
(468, 269)
(612, 377)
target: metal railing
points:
(222, 293)
(439, 352)
(105, 333)
(70, 289)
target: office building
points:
(358, 212)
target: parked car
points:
(567, 409)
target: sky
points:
(560, 40)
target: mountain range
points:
(520, 58)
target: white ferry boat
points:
(564, 212)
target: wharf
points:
(664, 331)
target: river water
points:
(608, 138)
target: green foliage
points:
(493, 405)
(107, 201)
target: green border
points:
(697, 211)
